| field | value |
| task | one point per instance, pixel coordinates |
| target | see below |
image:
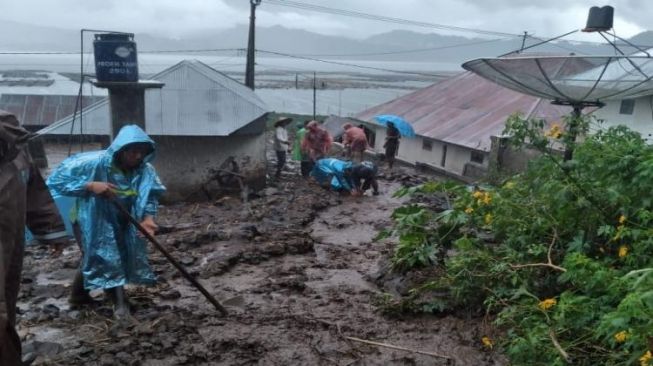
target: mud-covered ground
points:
(297, 269)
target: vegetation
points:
(560, 254)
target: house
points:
(636, 113)
(203, 122)
(616, 89)
(632, 103)
(454, 121)
(39, 98)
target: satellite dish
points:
(577, 81)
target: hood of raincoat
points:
(131, 134)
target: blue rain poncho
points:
(113, 254)
(332, 171)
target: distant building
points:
(39, 98)
(200, 120)
(454, 121)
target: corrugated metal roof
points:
(25, 82)
(464, 110)
(42, 110)
(196, 100)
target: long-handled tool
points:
(169, 257)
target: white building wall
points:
(412, 150)
(641, 120)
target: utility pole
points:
(249, 69)
(314, 94)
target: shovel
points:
(169, 257)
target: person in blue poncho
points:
(348, 176)
(112, 253)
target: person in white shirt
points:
(281, 144)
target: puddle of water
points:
(60, 277)
(338, 278)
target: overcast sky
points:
(175, 18)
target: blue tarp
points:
(113, 254)
(331, 171)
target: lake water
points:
(344, 87)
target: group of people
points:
(113, 255)
(311, 148)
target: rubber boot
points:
(78, 294)
(120, 303)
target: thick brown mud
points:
(295, 267)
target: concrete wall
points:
(641, 120)
(507, 160)
(186, 163)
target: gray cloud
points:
(175, 18)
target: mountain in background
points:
(397, 45)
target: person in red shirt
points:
(317, 141)
(355, 141)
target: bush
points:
(561, 253)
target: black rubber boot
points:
(78, 294)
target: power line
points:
(357, 14)
(140, 52)
(352, 65)
(417, 50)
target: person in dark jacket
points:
(24, 201)
(361, 177)
(391, 144)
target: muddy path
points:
(296, 268)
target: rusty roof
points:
(464, 110)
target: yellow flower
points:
(621, 336)
(623, 251)
(547, 304)
(487, 219)
(477, 194)
(487, 199)
(645, 360)
(487, 342)
(555, 131)
(622, 219)
(469, 210)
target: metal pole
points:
(573, 131)
(314, 95)
(249, 68)
(523, 41)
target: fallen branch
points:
(559, 348)
(397, 347)
(549, 262)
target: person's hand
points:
(101, 188)
(149, 225)
(57, 248)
